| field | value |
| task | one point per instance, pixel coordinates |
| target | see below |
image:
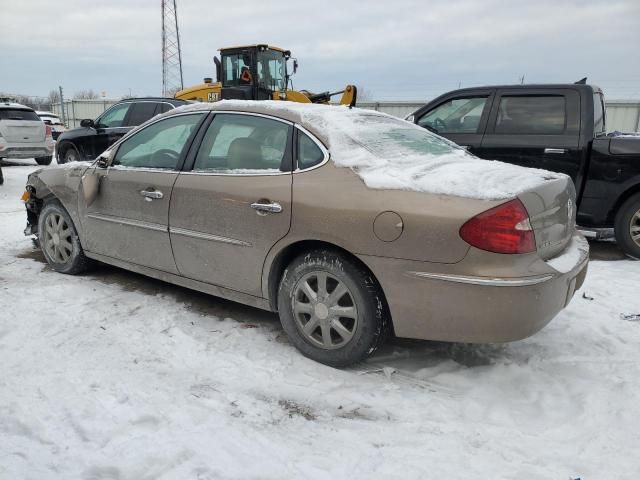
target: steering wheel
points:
(164, 158)
(439, 124)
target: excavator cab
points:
(256, 72)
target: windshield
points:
(271, 70)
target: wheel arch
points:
(622, 198)
(284, 257)
(64, 146)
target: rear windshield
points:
(18, 114)
(51, 118)
(390, 138)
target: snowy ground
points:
(115, 376)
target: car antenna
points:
(582, 81)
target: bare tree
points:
(365, 95)
(54, 96)
(85, 95)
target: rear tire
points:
(627, 226)
(332, 308)
(59, 240)
(44, 160)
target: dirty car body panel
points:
(232, 232)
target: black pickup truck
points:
(555, 127)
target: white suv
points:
(23, 134)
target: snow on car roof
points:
(14, 105)
(390, 153)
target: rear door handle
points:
(267, 207)
(555, 150)
(151, 194)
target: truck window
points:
(141, 112)
(532, 114)
(598, 114)
(459, 115)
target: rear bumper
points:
(474, 309)
(26, 151)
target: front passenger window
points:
(114, 117)
(459, 115)
(159, 145)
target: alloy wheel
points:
(634, 227)
(57, 238)
(324, 310)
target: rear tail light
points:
(502, 229)
(47, 131)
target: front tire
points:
(44, 160)
(69, 153)
(59, 240)
(332, 308)
(627, 226)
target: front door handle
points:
(151, 194)
(555, 150)
(264, 208)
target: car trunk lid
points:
(552, 214)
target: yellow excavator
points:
(258, 72)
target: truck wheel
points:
(331, 308)
(627, 226)
(44, 160)
(59, 240)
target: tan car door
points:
(235, 204)
(128, 220)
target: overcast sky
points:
(393, 50)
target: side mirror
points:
(105, 158)
(87, 123)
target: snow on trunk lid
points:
(552, 213)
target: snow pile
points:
(111, 375)
(389, 153)
(573, 254)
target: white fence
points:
(622, 115)
(77, 110)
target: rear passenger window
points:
(309, 154)
(165, 107)
(140, 113)
(534, 115)
(244, 144)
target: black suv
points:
(95, 136)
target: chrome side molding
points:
(207, 236)
(487, 281)
(126, 221)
